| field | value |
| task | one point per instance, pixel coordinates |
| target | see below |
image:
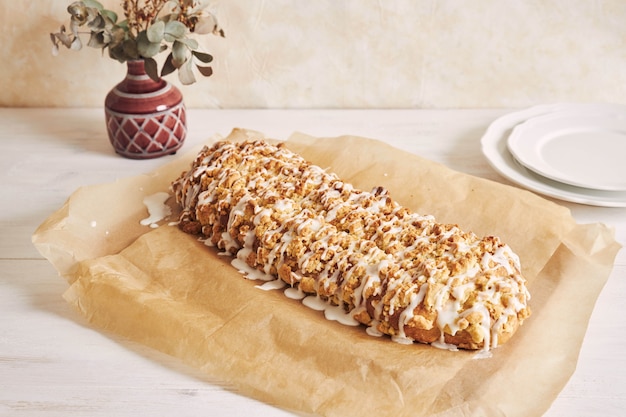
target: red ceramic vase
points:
(145, 118)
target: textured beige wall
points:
(351, 53)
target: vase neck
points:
(136, 67)
(138, 81)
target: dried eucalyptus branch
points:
(145, 32)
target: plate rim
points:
(516, 145)
(493, 143)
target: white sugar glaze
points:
(157, 209)
(343, 235)
(295, 293)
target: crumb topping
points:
(397, 272)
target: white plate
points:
(495, 149)
(582, 148)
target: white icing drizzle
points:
(337, 313)
(361, 253)
(252, 273)
(294, 293)
(276, 284)
(373, 331)
(157, 209)
(314, 302)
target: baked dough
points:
(398, 273)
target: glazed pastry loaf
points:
(396, 272)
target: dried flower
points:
(146, 32)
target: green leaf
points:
(179, 54)
(190, 43)
(175, 29)
(110, 14)
(123, 51)
(156, 32)
(151, 68)
(93, 3)
(203, 57)
(146, 48)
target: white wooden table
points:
(52, 363)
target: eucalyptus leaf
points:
(92, 13)
(205, 25)
(185, 74)
(110, 14)
(190, 43)
(175, 29)
(122, 51)
(93, 3)
(130, 49)
(55, 44)
(76, 44)
(96, 40)
(78, 13)
(123, 43)
(74, 25)
(62, 37)
(168, 66)
(179, 54)
(151, 68)
(156, 32)
(203, 57)
(146, 48)
(116, 35)
(97, 23)
(117, 53)
(206, 71)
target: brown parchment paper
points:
(162, 288)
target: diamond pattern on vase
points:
(147, 136)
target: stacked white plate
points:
(573, 152)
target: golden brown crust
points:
(397, 272)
